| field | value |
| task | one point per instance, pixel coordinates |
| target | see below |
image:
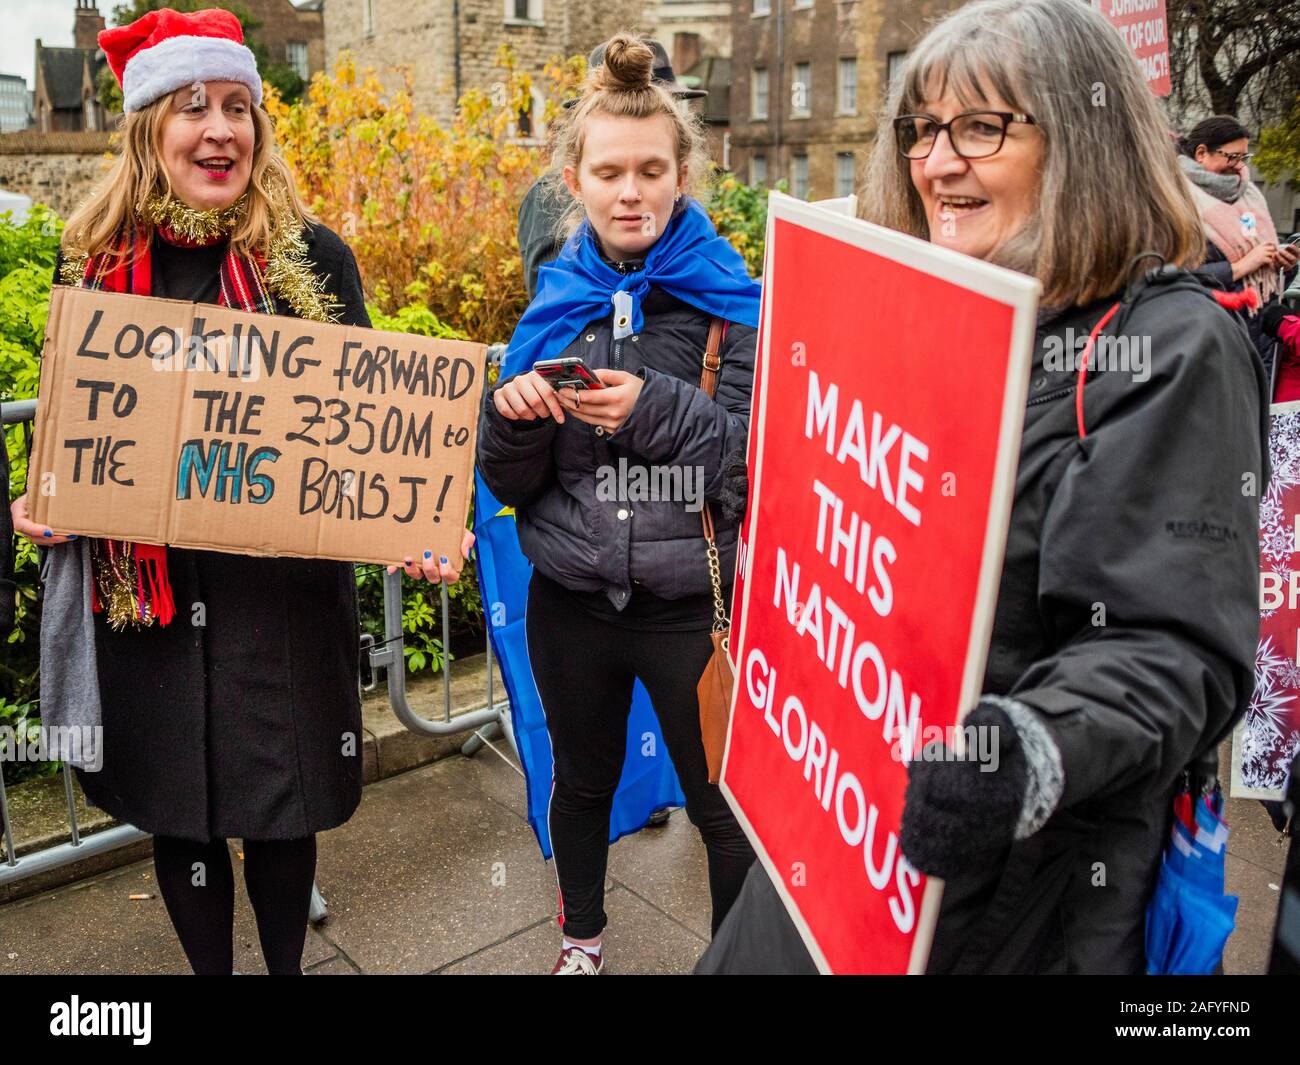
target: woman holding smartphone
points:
(621, 587)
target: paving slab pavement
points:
(438, 872)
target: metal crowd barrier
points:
(484, 724)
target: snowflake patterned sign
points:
(1266, 740)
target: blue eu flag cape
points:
(689, 261)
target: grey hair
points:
(1109, 189)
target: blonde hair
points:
(623, 86)
(138, 172)
(1110, 187)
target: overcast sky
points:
(22, 21)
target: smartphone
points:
(1295, 239)
(567, 373)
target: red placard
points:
(886, 432)
(1145, 30)
(1266, 739)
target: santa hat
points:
(165, 50)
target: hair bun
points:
(628, 65)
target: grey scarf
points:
(1225, 187)
(69, 677)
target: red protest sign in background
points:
(1266, 739)
(1145, 30)
(892, 382)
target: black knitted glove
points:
(1270, 318)
(734, 494)
(960, 813)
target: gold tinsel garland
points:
(288, 271)
(198, 227)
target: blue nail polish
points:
(428, 554)
(442, 559)
(72, 537)
(47, 533)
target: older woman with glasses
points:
(1243, 253)
(1124, 636)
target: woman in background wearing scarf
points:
(1243, 250)
(621, 587)
(225, 684)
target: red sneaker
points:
(575, 961)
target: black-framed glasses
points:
(1235, 157)
(972, 134)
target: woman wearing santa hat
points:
(226, 685)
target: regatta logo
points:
(1201, 530)
(640, 484)
(1115, 354)
(132, 1019)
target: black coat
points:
(551, 473)
(242, 717)
(1153, 516)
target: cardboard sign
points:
(887, 426)
(1145, 30)
(199, 426)
(1265, 741)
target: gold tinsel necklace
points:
(283, 269)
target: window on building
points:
(295, 54)
(801, 91)
(758, 170)
(368, 17)
(799, 176)
(762, 7)
(523, 11)
(758, 93)
(847, 96)
(894, 62)
(531, 125)
(802, 3)
(88, 109)
(845, 174)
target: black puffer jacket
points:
(1127, 622)
(550, 473)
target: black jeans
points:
(584, 668)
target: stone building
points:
(697, 36)
(64, 99)
(807, 79)
(450, 46)
(293, 35)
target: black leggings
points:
(584, 669)
(199, 889)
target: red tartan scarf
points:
(130, 580)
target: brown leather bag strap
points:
(712, 357)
